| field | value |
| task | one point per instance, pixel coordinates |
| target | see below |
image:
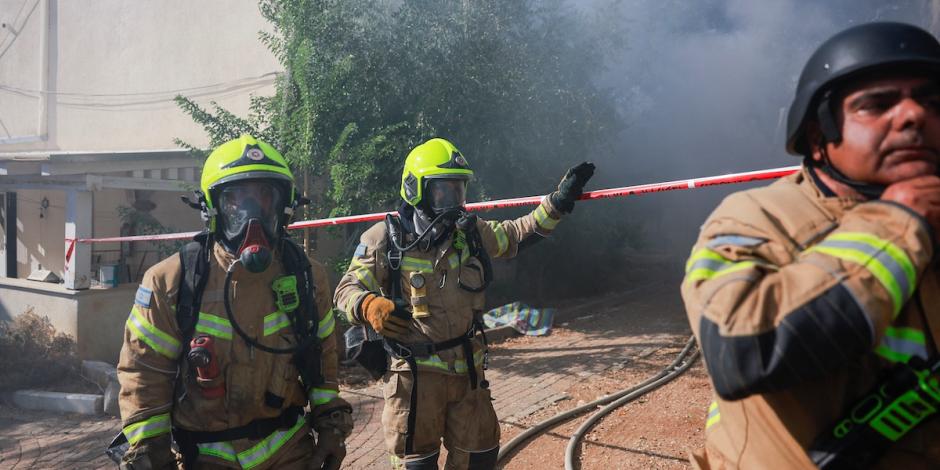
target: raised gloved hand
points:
(381, 313)
(572, 186)
(332, 427)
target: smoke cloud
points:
(705, 86)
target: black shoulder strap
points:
(392, 241)
(194, 260)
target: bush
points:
(33, 354)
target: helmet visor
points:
(242, 201)
(446, 193)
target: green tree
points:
(510, 83)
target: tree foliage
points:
(366, 80)
(511, 83)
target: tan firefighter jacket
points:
(450, 308)
(799, 300)
(153, 344)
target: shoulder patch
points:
(360, 251)
(143, 297)
(735, 240)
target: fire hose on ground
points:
(679, 365)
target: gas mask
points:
(250, 212)
(444, 194)
(444, 200)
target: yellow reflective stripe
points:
(452, 259)
(707, 264)
(705, 254)
(460, 365)
(433, 361)
(222, 450)
(214, 325)
(714, 415)
(365, 276)
(151, 335)
(326, 325)
(153, 426)
(544, 219)
(899, 344)
(892, 250)
(417, 264)
(263, 450)
(322, 396)
(274, 322)
(873, 265)
(502, 241)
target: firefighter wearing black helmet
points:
(804, 295)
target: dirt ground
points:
(653, 432)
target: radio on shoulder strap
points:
(908, 396)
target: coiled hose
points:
(668, 373)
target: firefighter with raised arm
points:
(816, 300)
(228, 341)
(418, 281)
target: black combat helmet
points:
(862, 48)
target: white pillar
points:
(78, 214)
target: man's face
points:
(890, 129)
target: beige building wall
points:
(101, 74)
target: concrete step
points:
(81, 403)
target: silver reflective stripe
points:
(896, 270)
(905, 347)
(710, 264)
(150, 427)
(263, 450)
(214, 325)
(151, 335)
(222, 450)
(274, 322)
(735, 240)
(321, 396)
(901, 343)
(326, 325)
(544, 219)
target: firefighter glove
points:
(572, 186)
(150, 454)
(332, 427)
(382, 314)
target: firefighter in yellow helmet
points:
(418, 281)
(229, 340)
(816, 300)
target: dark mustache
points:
(913, 138)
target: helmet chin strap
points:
(831, 133)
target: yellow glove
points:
(380, 312)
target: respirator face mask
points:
(445, 194)
(249, 212)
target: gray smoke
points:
(705, 85)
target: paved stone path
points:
(527, 374)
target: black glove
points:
(571, 187)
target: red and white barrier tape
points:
(487, 205)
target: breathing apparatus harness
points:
(463, 225)
(294, 294)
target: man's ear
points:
(815, 141)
